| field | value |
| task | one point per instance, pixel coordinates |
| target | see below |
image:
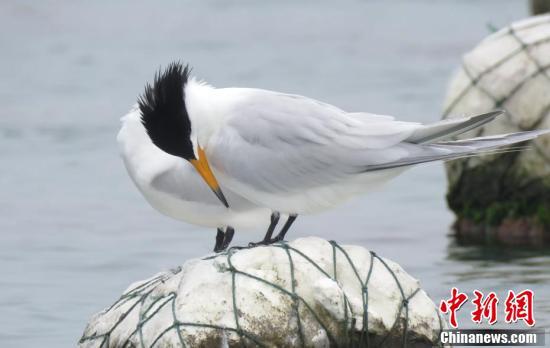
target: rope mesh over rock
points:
(499, 194)
(501, 101)
(148, 305)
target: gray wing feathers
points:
(296, 143)
(277, 142)
(446, 129)
(455, 149)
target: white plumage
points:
(299, 156)
(272, 152)
(173, 187)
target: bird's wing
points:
(283, 143)
(449, 128)
(448, 150)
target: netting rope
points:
(143, 293)
(541, 70)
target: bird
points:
(291, 154)
(174, 187)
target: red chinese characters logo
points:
(520, 306)
(485, 308)
(452, 305)
(517, 307)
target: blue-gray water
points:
(74, 232)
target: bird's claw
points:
(265, 242)
(255, 244)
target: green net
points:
(511, 72)
(502, 101)
(346, 336)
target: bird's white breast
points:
(171, 185)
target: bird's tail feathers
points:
(449, 150)
(446, 129)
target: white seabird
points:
(275, 152)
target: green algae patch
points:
(495, 193)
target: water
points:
(74, 232)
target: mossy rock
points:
(509, 192)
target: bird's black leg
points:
(286, 227)
(267, 239)
(274, 221)
(229, 232)
(219, 240)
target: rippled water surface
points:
(74, 232)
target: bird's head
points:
(164, 116)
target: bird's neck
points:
(200, 101)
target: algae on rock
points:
(504, 197)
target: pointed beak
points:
(202, 166)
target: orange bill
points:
(202, 166)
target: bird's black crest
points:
(164, 114)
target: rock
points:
(508, 70)
(539, 6)
(309, 292)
